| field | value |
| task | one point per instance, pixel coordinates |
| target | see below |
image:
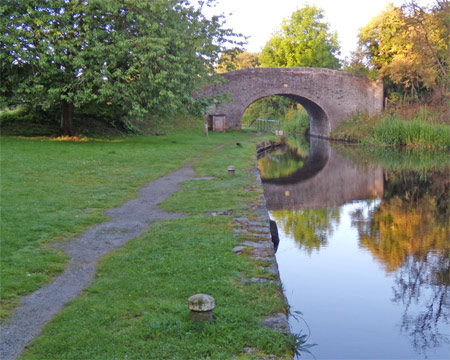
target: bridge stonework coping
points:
(328, 96)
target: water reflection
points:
(405, 232)
(310, 228)
(408, 234)
(326, 179)
(309, 162)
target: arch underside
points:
(319, 123)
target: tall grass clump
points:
(393, 131)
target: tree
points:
(409, 46)
(241, 60)
(303, 40)
(139, 57)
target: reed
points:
(426, 129)
(416, 132)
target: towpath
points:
(127, 222)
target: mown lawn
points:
(52, 190)
(137, 306)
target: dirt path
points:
(127, 222)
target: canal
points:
(364, 253)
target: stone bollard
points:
(201, 306)
(231, 170)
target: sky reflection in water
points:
(369, 274)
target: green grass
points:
(137, 306)
(53, 190)
(394, 131)
(422, 131)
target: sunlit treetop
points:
(304, 39)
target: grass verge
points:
(53, 190)
(137, 306)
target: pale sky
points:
(259, 18)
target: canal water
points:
(364, 252)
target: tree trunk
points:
(66, 118)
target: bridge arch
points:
(319, 123)
(329, 96)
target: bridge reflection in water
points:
(364, 251)
(324, 179)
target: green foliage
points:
(22, 113)
(293, 117)
(237, 60)
(281, 163)
(357, 127)
(26, 120)
(271, 107)
(137, 57)
(303, 40)
(296, 121)
(357, 64)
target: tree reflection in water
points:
(414, 285)
(281, 163)
(409, 235)
(407, 231)
(309, 227)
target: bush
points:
(296, 121)
(25, 113)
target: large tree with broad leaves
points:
(135, 56)
(304, 39)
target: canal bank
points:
(136, 305)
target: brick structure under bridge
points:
(329, 96)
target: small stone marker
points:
(201, 306)
(231, 170)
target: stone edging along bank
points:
(259, 240)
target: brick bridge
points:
(328, 96)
